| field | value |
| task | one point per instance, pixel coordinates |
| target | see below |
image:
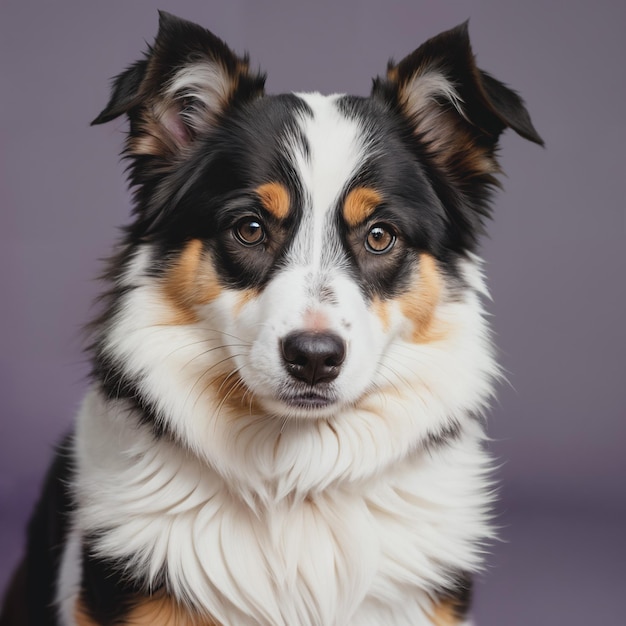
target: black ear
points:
(188, 79)
(125, 91)
(439, 83)
(456, 113)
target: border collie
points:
(292, 362)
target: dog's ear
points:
(188, 79)
(456, 113)
(447, 98)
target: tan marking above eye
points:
(275, 199)
(359, 204)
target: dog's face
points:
(301, 268)
(317, 249)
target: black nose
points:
(313, 357)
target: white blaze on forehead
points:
(336, 149)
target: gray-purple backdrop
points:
(556, 257)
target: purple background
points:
(555, 259)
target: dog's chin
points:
(303, 404)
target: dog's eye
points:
(249, 231)
(380, 239)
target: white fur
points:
(422, 90)
(336, 150)
(354, 553)
(205, 87)
(207, 83)
(273, 516)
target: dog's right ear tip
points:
(164, 15)
(168, 19)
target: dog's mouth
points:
(309, 400)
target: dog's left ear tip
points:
(102, 118)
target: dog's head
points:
(299, 286)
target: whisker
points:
(159, 327)
(203, 375)
(222, 332)
(391, 383)
(393, 371)
(204, 352)
(238, 384)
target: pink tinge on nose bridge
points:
(316, 320)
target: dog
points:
(292, 362)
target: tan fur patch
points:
(191, 282)
(165, 612)
(153, 611)
(445, 614)
(275, 199)
(154, 135)
(243, 297)
(420, 303)
(81, 616)
(151, 139)
(233, 394)
(360, 204)
(392, 73)
(454, 150)
(443, 130)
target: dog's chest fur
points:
(350, 554)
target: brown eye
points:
(380, 239)
(249, 231)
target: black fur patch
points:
(117, 385)
(459, 594)
(108, 591)
(35, 582)
(457, 150)
(443, 437)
